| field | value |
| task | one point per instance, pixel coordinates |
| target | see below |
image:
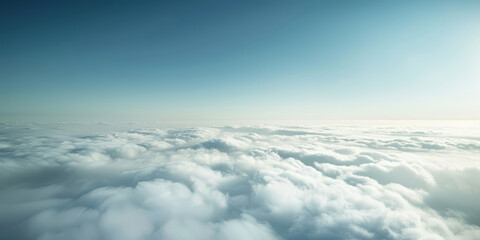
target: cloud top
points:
(252, 182)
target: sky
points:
(239, 60)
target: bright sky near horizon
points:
(242, 60)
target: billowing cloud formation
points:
(240, 183)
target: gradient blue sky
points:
(239, 60)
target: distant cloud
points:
(265, 182)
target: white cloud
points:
(267, 182)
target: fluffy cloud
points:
(265, 182)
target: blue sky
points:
(239, 60)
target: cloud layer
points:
(261, 182)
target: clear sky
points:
(239, 60)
